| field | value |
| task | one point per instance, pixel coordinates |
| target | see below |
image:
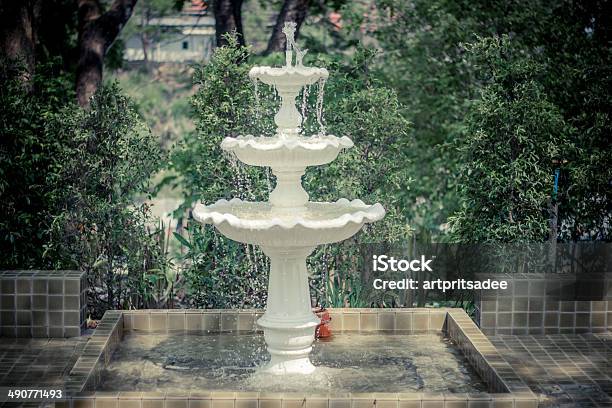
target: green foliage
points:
(108, 158)
(375, 169)
(423, 58)
(28, 153)
(221, 273)
(226, 105)
(579, 80)
(161, 98)
(68, 180)
(514, 138)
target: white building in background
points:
(187, 36)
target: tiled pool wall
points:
(546, 304)
(47, 304)
(506, 388)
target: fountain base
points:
(289, 344)
(284, 367)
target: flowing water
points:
(319, 106)
(304, 111)
(347, 363)
(256, 96)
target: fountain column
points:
(289, 193)
(288, 323)
(288, 119)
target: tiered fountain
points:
(289, 226)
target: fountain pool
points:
(352, 362)
(378, 358)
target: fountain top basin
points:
(288, 75)
(263, 224)
(281, 151)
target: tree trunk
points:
(228, 19)
(292, 10)
(18, 33)
(144, 38)
(97, 32)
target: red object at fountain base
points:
(323, 331)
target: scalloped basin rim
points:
(318, 142)
(287, 71)
(356, 212)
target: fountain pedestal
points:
(288, 322)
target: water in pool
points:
(347, 363)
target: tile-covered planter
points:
(545, 304)
(47, 304)
(506, 388)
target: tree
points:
(292, 10)
(97, 30)
(228, 19)
(514, 137)
(423, 58)
(18, 32)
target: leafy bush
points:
(423, 58)
(28, 153)
(108, 160)
(515, 135)
(69, 179)
(223, 273)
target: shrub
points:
(28, 154)
(514, 137)
(97, 225)
(69, 179)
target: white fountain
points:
(289, 226)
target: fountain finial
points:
(289, 30)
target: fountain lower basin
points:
(287, 235)
(261, 223)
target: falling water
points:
(256, 95)
(305, 94)
(241, 180)
(268, 172)
(244, 190)
(319, 106)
